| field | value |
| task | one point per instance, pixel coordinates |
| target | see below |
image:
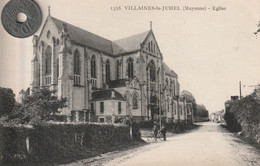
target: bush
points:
(244, 115)
(232, 123)
(136, 131)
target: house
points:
(105, 80)
(218, 116)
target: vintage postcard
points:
(130, 82)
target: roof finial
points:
(151, 25)
(49, 10)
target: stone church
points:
(104, 80)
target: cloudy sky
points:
(211, 51)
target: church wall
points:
(173, 86)
(112, 66)
(99, 66)
(154, 49)
(78, 98)
(134, 56)
(175, 111)
(82, 73)
(183, 113)
(147, 57)
(51, 38)
(78, 90)
(169, 108)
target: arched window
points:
(135, 100)
(168, 102)
(76, 62)
(151, 46)
(174, 108)
(130, 67)
(93, 66)
(107, 70)
(181, 110)
(173, 86)
(152, 71)
(118, 69)
(188, 109)
(48, 34)
(170, 83)
(58, 68)
(48, 60)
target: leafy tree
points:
(7, 101)
(258, 29)
(190, 98)
(41, 105)
(243, 112)
(201, 111)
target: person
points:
(155, 131)
(163, 131)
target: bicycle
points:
(151, 137)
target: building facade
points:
(106, 80)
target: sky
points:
(211, 51)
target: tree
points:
(201, 111)
(258, 29)
(7, 101)
(41, 105)
(190, 98)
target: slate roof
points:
(84, 37)
(117, 83)
(121, 46)
(112, 48)
(168, 71)
(129, 44)
(106, 95)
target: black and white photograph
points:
(130, 82)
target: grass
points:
(241, 137)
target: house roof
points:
(121, 46)
(168, 71)
(117, 83)
(107, 94)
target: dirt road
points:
(210, 145)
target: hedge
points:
(244, 115)
(62, 142)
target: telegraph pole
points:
(240, 93)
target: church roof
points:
(117, 47)
(117, 83)
(168, 71)
(130, 44)
(107, 94)
(84, 37)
